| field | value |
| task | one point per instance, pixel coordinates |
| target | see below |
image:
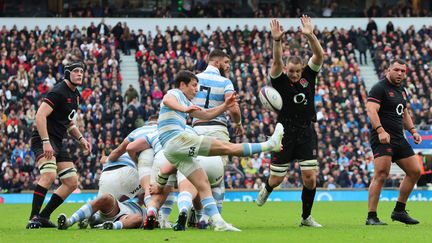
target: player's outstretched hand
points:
(231, 100)
(155, 189)
(192, 108)
(276, 29)
(417, 138)
(384, 137)
(306, 25)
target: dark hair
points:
(218, 54)
(295, 60)
(153, 118)
(399, 61)
(185, 77)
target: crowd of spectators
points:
(32, 62)
(219, 9)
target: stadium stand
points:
(32, 62)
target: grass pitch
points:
(274, 222)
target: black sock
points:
(400, 207)
(38, 199)
(372, 215)
(307, 200)
(267, 186)
(53, 203)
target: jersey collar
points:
(212, 69)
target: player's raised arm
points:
(277, 34)
(318, 53)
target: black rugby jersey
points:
(64, 102)
(392, 100)
(298, 98)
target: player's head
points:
(74, 72)
(187, 82)
(152, 119)
(396, 73)
(294, 68)
(221, 60)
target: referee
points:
(297, 87)
(386, 108)
(55, 118)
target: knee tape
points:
(279, 170)
(48, 166)
(309, 164)
(68, 172)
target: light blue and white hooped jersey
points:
(190, 129)
(134, 208)
(124, 159)
(212, 88)
(171, 122)
(141, 132)
(153, 140)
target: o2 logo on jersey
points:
(300, 99)
(73, 115)
(399, 109)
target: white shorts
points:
(183, 148)
(159, 161)
(126, 208)
(119, 182)
(217, 131)
(213, 166)
(145, 162)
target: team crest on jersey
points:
(391, 94)
(69, 100)
(304, 82)
(404, 95)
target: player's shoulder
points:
(381, 84)
(60, 88)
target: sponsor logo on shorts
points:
(389, 150)
(191, 151)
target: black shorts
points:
(299, 143)
(397, 149)
(60, 151)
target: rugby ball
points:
(270, 98)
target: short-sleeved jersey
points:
(212, 88)
(124, 159)
(141, 132)
(298, 98)
(64, 103)
(153, 140)
(392, 101)
(170, 122)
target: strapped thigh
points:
(311, 164)
(48, 166)
(279, 169)
(68, 172)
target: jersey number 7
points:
(208, 89)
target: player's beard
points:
(223, 73)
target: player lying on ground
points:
(113, 214)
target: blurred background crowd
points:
(32, 62)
